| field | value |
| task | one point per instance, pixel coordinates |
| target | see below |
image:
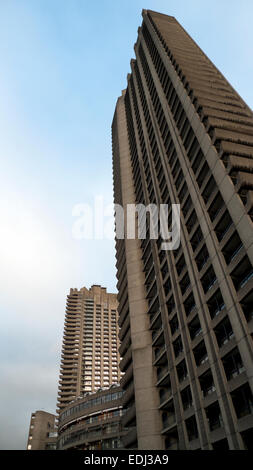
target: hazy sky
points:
(63, 64)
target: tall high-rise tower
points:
(90, 357)
(181, 134)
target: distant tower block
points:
(90, 356)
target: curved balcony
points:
(126, 342)
(126, 359)
(128, 395)
(129, 417)
(160, 355)
(123, 329)
(127, 377)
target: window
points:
(247, 306)
(207, 383)
(223, 226)
(182, 371)
(216, 304)
(243, 401)
(192, 429)
(214, 417)
(195, 327)
(174, 325)
(200, 354)
(232, 364)
(208, 280)
(178, 346)
(202, 258)
(196, 239)
(223, 332)
(189, 304)
(50, 446)
(221, 445)
(232, 247)
(186, 397)
(242, 273)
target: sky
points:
(63, 65)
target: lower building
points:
(92, 422)
(42, 431)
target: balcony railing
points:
(162, 372)
(165, 395)
(159, 351)
(215, 423)
(208, 390)
(169, 420)
(246, 279)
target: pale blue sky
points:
(63, 64)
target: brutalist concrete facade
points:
(181, 134)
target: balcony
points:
(153, 304)
(155, 320)
(214, 417)
(247, 306)
(191, 223)
(242, 274)
(202, 258)
(130, 439)
(189, 304)
(224, 226)
(165, 395)
(180, 265)
(170, 305)
(185, 284)
(208, 390)
(127, 377)
(216, 304)
(172, 445)
(208, 280)
(160, 355)
(162, 372)
(192, 429)
(129, 417)
(232, 247)
(123, 313)
(186, 397)
(128, 396)
(223, 332)
(178, 347)
(196, 239)
(207, 383)
(243, 401)
(216, 208)
(233, 364)
(124, 328)
(195, 328)
(168, 418)
(182, 371)
(126, 359)
(174, 325)
(157, 337)
(200, 354)
(125, 344)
